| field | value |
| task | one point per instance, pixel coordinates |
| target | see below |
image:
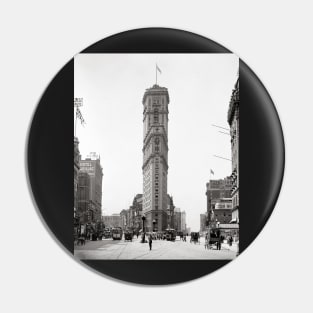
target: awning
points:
(229, 226)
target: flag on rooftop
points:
(158, 69)
(80, 116)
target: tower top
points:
(156, 90)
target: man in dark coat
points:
(150, 241)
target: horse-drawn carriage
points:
(213, 239)
(170, 234)
(128, 236)
(195, 237)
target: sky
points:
(112, 87)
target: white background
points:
(274, 38)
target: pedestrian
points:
(218, 236)
(150, 242)
(219, 243)
(230, 241)
(207, 241)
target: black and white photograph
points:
(156, 156)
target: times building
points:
(155, 162)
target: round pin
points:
(146, 175)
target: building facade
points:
(223, 211)
(183, 221)
(131, 219)
(76, 170)
(170, 211)
(155, 162)
(83, 199)
(203, 222)
(113, 220)
(233, 121)
(217, 189)
(124, 215)
(91, 165)
(135, 214)
(177, 219)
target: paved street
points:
(161, 249)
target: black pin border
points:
(50, 155)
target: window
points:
(156, 116)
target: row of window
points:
(156, 100)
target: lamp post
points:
(143, 229)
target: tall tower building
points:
(155, 164)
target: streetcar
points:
(117, 233)
(170, 234)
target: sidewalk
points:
(234, 247)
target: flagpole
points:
(156, 75)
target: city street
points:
(161, 249)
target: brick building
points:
(217, 189)
(91, 165)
